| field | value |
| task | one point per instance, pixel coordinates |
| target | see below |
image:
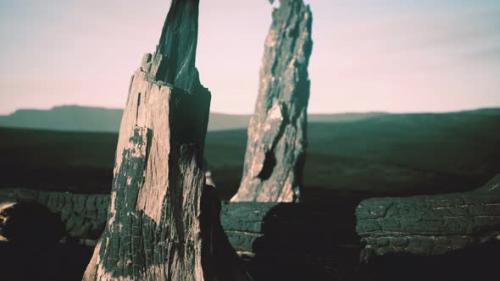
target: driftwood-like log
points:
(429, 225)
(274, 156)
(83, 215)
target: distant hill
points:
(65, 118)
(95, 119)
(389, 154)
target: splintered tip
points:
(174, 59)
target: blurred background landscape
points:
(71, 148)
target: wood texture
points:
(162, 225)
(417, 225)
(277, 139)
(430, 225)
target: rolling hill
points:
(389, 154)
(65, 118)
(95, 119)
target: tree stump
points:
(162, 225)
(274, 156)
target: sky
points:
(368, 55)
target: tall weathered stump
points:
(277, 139)
(163, 222)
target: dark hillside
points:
(394, 154)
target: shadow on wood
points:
(287, 241)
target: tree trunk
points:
(277, 131)
(162, 225)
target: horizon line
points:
(251, 113)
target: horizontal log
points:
(84, 215)
(430, 225)
(317, 237)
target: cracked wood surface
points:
(430, 224)
(84, 215)
(277, 139)
(163, 222)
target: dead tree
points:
(163, 222)
(274, 156)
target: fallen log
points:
(83, 215)
(429, 225)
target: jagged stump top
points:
(277, 137)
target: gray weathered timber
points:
(430, 225)
(275, 151)
(175, 57)
(163, 220)
(83, 215)
(153, 229)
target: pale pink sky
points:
(368, 55)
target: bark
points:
(429, 225)
(277, 131)
(83, 215)
(160, 225)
